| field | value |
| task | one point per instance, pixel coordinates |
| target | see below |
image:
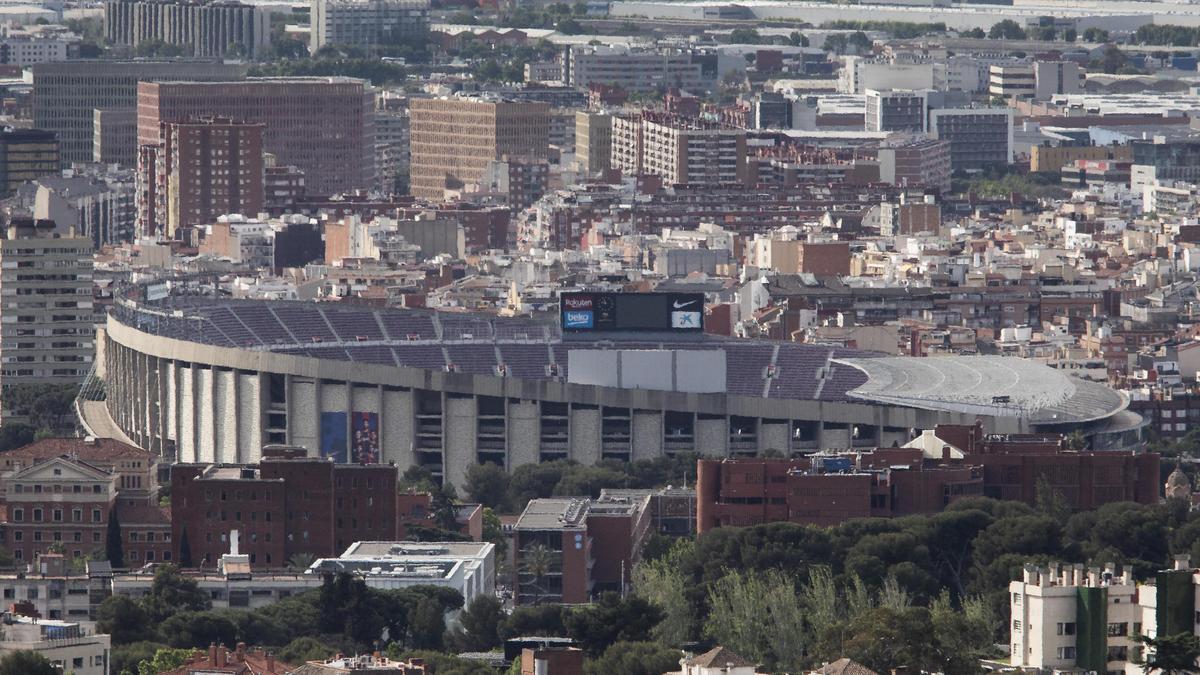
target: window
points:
(1117, 629)
(1066, 653)
(96, 516)
(77, 515)
(1016, 598)
(1066, 629)
(37, 515)
(18, 515)
(1016, 624)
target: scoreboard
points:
(632, 312)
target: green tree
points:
(534, 620)
(760, 616)
(126, 657)
(164, 660)
(1169, 655)
(1006, 30)
(26, 663)
(124, 619)
(15, 435)
(611, 619)
(487, 484)
(171, 592)
(661, 582)
(1050, 501)
(635, 658)
(1095, 35)
(976, 33)
(426, 625)
(198, 629)
(744, 36)
(493, 532)
(113, 549)
(479, 625)
(304, 649)
(798, 39)
(538, 561)
(185, 550)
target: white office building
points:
(467, 567)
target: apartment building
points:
(455, 139)
(921, 477)
(1008, 81)
(680, 150)
(68, 646)
(284, 505)
(593, 141)
(20, 47)
(915, 161)
(203, 169)
(46, 283)
(207, 28)
(367, 23)
(1071, 617)
(114, 136)
(57, 502)
(592, 544)
(322, 125)
(1053, 158)
(979, 138)
(99, 205)
(634, 71)
(26, 154)
(895, 110)
(65, 95)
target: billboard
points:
(623, 312)
(333, 436)
(364, 437)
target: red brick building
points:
(889, 482)
(62, 492)
(593, 546)
(288, 504)
(416, 509)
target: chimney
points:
(271, 663)
(220, 650)
(212, 653)
(1183, 561)
(241, 652)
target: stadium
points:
(620, 376)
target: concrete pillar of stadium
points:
(458, 446)
(205, 415)
(647, 429)
(249, 435)
(397, 421)
(774, 435)
(523, 428)
(585, 434)
(187, 415)
(304, 413)
(226, 419)
(712, 436)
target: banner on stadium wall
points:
(333, 436)
(364, 437)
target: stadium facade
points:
(200, 379)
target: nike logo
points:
(679, 305)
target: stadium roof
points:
(998, 386)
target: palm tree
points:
(537, 561)
(299, 562)
(1171, 654)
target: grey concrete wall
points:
(396, 423)
(585, 435)
(459, 442)
(524, 433)
(647, 434)
(712, 437)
